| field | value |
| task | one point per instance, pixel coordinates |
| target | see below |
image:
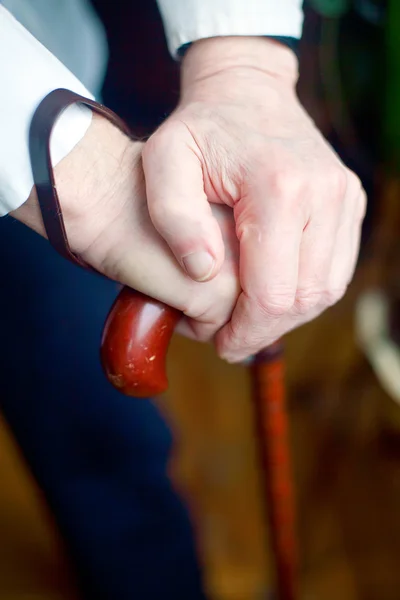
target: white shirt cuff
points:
(28, 72)
(190, 20)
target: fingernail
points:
(199, 265)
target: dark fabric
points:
(100, 458)
(290, 42)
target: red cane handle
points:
(135, 342)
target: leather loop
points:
(43, 121)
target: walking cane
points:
(133, 351)
(135, 342)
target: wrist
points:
(207, 58)
(86, 179)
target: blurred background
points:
(343, 370)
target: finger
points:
(343, 261)
(311, 297)
(178, 205)
(340, 275)
(270, 234)
(317, 251)
(348, 245)
(196, 330)
(327, 257)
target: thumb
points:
(177, 203)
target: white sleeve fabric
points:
(28, 72)
(190, 20)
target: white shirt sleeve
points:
(190, 20)
(28, 72)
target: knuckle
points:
(306, 300)
(172, 214)
(338, 181)
(355, 189)
(332, 296)
(362, 204)
(285, 182)
(160, 212)
(239, 336)
(228, 345)
(354, 181)
(241, 340)
(275, 304)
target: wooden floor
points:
(348, 476)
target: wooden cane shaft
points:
(274, 449)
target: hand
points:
(101, 189)
(240, 137)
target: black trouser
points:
(99, 457)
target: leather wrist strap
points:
(43, 121)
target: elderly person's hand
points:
(101, 188)
(240, 137)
